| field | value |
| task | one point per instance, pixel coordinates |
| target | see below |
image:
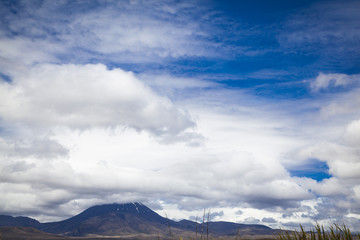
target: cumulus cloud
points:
(48, 110)
(126, 165)
(88, 96)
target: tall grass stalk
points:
(202, 226)
(207, 225)
(168, 223)
(237, 234)
(196, 227)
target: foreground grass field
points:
(334, 232)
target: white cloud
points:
(15, 48)
(88, 96)
(33, 146)
(239, 164)
(343, 160)
(251, 220)
(269, 220)
(130, 32)
(122, 164)
(62, 123)
(352, 133)
(141, 34)
(340, 106)
(324, 81)
(340, 191)
(327, 29)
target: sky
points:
(248, 109)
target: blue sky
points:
(248, 108)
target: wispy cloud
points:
(122, 32)
(327, 30)
(325, 81)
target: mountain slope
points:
(110, 219)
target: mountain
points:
(111, 220)
(132, 218)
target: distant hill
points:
(132, 218)
(18, 221)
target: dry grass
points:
(335, 232)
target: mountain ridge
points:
(131, 218)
